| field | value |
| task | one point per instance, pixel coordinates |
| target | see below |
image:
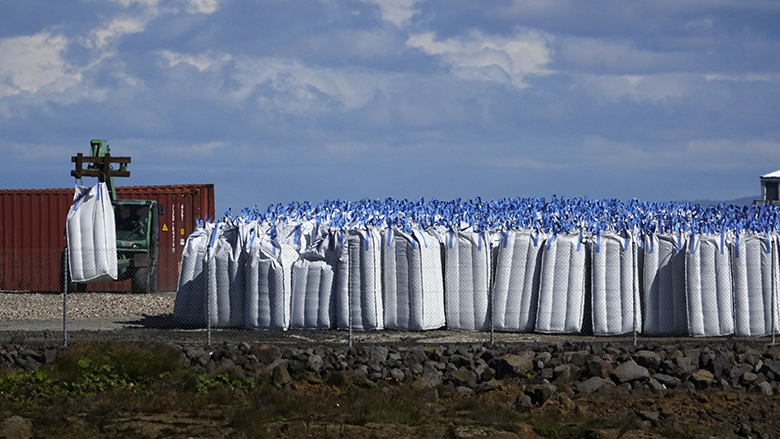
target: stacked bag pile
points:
(604, 267)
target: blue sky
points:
(275, 101)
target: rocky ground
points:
(594, 389)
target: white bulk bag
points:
(312, 293)
(358, 296)
(562, 285)
(268, 284)
(234, 236)
(709, 287)
(91, 235)
(413, 286)
(467, 269)
(754, 262)
(191, 295)
(664, 284)
(516, 284)
(614, 284)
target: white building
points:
(770, 185)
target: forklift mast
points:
(100, 148)
(99, 165)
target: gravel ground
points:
(34, 306)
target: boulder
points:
(629, 371)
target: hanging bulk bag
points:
(189, 306)
(91, 235)
(664, 284)
(358, 296)
(413, 289)
(754, 261)
(614, 284)
(467, 269)
(516, 284)
(709, 287)
(561, 285)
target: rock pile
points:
(545, 368)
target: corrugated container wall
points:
(32, 233)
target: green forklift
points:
(137, 223)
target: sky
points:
(277, 101)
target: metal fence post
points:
(64, 275)
(634, 284)
(491, 296)
(349, 313)
(208, 296)
(775, 261)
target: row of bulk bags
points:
(355, 281)
(91, 235)
(259, 283)
(234, 275)
(704, 285)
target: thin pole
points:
(634, 283)
(65, 282)
(774, 292)
(491, 296)
(208, 297)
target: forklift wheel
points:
(143, 282)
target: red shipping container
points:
(32, 233)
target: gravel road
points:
(34, 306)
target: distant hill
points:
(744, 201)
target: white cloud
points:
(744, 77)
(201, 62)
(29, 63)
(398, 12)
(117, 28)
(291, 86)
(490, 58)
(204, 6)
(193, 6)
(37, 63)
